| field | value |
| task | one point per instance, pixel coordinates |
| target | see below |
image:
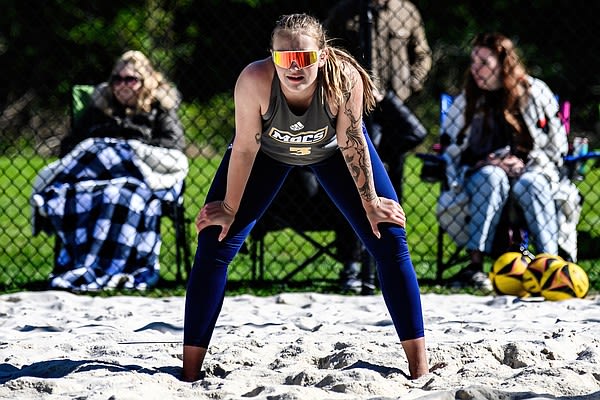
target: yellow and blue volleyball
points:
(535, 270)
(563, 281)
(507, 273)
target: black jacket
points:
(159, 127)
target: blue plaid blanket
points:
(106, 216)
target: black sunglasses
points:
(129, 79)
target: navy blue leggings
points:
(397, 278)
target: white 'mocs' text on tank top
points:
(298, 139)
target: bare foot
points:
(193, 357)
(416, 356)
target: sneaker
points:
(352, 285)
(350, 278)
(474, 278)
(481, 281)
(368, 289)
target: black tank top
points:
(298, 139)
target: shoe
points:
(352, 285)
(350, 278)
(473, 277)
(368, 289)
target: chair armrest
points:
(570, 159)
(433, 169)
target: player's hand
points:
(215, 213)
(382, 209)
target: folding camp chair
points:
(318, 214)
(434, 171)
(174, 210)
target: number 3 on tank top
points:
(300, 151)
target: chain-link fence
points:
(202, 46)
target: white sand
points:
(57, 345)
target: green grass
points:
(27, 260)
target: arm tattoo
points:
(357, 160)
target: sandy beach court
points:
(58, 345)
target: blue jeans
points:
(489, 189)
(206, 285)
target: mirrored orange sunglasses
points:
(302, 59)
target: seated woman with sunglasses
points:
(103, 197)
(302, 106)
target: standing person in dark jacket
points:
(388, 38)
